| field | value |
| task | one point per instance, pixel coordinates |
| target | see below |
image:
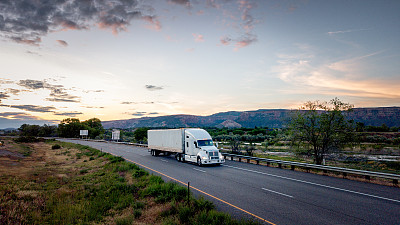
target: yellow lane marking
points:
(212, 196)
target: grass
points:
(93, 187)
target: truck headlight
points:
(221, 157)
(204, 157)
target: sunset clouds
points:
(348, 76)
(127, 58)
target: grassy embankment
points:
(64, 183)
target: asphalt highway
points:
(272, 195)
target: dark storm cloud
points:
(27, 21)
(153, 88)
(32, 108)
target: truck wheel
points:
(199, 161)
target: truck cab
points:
(200, 149)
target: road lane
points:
(316, 199)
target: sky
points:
(125, 59)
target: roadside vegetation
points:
(317, 133)
(62, 183)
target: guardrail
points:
(367, 174)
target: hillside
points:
(273, 118)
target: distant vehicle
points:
(188, 144)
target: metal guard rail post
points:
(307, 166)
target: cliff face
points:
(273, 118)
(377, 116)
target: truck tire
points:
(199, 161)
(154, 152)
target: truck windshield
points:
(205, 142)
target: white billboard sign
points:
(115, 135)
(84, 132)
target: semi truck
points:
(187, 144)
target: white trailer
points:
(188, 144)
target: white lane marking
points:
(277, 193)
(163, 160)
(199, 170)
(316, 184)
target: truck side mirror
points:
(195, 144)
(216, 144)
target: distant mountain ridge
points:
(272, 118)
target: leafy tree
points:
(29, 130)
(140, 134)
(323, 126)
(48, 131)
(94, 127)
(234, 142)
(70, 128)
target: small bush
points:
(203, 205)
(26, 139)
(139, 173)
(83, 171)
(164, 192)
(185, 214)
(56, 146)
(115, 159)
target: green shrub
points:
(26, 139)
(164, 192)
(83, 171)
(203, 205)
(56, 146)
(185, 214)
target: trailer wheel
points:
(199, 161)
(152, 152)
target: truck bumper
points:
(214, 161)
